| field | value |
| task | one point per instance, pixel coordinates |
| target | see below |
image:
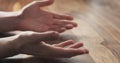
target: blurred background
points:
(12, 5)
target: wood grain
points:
(99, 28)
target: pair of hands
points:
(35, 19)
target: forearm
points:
(7, 48)
(8, 21)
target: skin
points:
(32, 43)
(33, 18)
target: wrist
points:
(9, 21)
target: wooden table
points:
(99, 30)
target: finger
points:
(66, 43)
(77, 51)
(67, 23)
(69, 26)
(44, 3)
(60, 52)
(62, 29)
(76, 45)
(58, 28)
(73, 52)
(57, 16)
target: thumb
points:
(44, 3)
(38, 3)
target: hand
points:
(35, 19)
(31, 43)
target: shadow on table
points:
(32, 60)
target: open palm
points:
(36, 19)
